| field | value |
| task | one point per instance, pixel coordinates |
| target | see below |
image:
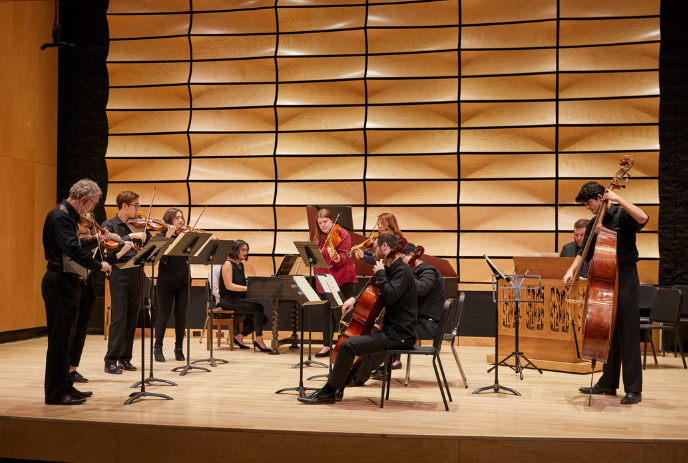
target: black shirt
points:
(430, 291)
(173, 269)
(60, 238)
(571, 250)
(398, 291)
(238, 278)
(619, 220)
(115, 225)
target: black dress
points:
(236, 301)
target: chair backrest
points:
(647, 296)
(667, 306)
(457, 309)
(442, 325)
(684, 290)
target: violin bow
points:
(199, 218)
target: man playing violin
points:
(68, 263)
(125, 286)
(626, 219)
(398, 292)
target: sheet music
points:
(323, 283)
(174, 244)
(204, 244)
(306, 288)
(332, 283)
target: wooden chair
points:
(218, 323)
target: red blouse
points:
(343, 271)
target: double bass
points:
(599, 313)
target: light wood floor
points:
(240, 397)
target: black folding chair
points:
(666, 310)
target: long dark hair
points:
(238, 244)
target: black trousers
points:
(251, 311)
(125, 295)
(61, 293)
(366, 345)
(625, 347)
(331, 317)
(89, 296)
(171, 295)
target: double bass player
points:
(626, 219)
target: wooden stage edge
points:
(233, 414)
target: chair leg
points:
(652, 344)
(390, 363)
(384, 380)
(408, 369)
(680, 347)
(645, 349)
(444, 378)
(230, 337)
(205, 326)
(439, 383)
(675, 337)
(458, 364)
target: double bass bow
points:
(599, 313)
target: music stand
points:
(139, 260)
(496, 276)
(310, 254)
(188, 244)
(215, 252)
(153, 260)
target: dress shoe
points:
(66, 400)
(179, 354)
(377, 375)
(339, 395)
(126, 365)
(79, 394)
(396, 366)
(597, 389)
(76, 377)
(318, 398)
(157, 353)
(112, 369)
(632, 398)
(240, 345)
(260, 348)
(323, 354)
(355, 382)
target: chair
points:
(647, 297)
(455, 317)
(433, 350)
(220, 322)
(666, 310)
(684, 309)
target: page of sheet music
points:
(335, 288)
(210, 237)
(323, 283)
(306, 288)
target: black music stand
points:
(496, 276)
(334, 304)
(154, 259)
(188, 244)
(312, 256)
(139, 260)
(215, 252)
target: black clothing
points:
(60, 239)
(173, 269)
(331, 317)
(625, 344)
(236, 300)
(115, 225)
(89, 297)
(430, 290)
(172, 291)
(571, 250)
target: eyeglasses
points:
(92, 202)
(136, 206)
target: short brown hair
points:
(126, 197)
(589, 191)
(389, 239)
(238, 244)
(580, 223)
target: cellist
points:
(626, 219)
(398, 291)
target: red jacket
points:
(343, 271)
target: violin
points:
(113, 240)
(416, 255)
(333, 240)
(366, 245)
(156, 225)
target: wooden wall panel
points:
(435, 244)
(228, 169)
(321, 143)
(523, 35)
(476, 166)
(618, 57)
(408, 40)
(478, 11)
(320, 19)
(412, 141)
(531, 87)
(637, 191)
(511, 218)
(441, 64)
(416, 217)
(320, 118)
(169, 97)
(505, 114)
(300, 69)
(314, 168)
(240, 193)
(150, 25)
(233, 46)
(234, 120)
(505, 244)
(307, 193)
(602, 8)
(146, 6)
(523, 140)
(607, 31)
(167, 194)
(416, 116)
(253, 21)
(123, 74)
(620, 111)
(218, 5)
(477, 270)
(648, 272)
(412, 167)
(422, 192)
(323, 43)
(234, 218)
(227, 96)
(414, 14)
(507, 192)
(232, 144)
(157, 49)
(603, 138)
(141, 170)
(348, 92)
(591, 164)
(252, 70)
(285, 241)
(603, 84)
(490, 62)
(569, 214)
(129, 122)
(412, 90)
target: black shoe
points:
(240, 345)
(126, 365)
(259, 347)
(377, 375)
(79, 394)
(157, 353)
(112, 369)
(355, 382)
(396, 366)
(76, 377)
(339, 395)
(179, 354)
(596, 389)
(318, 398)
(632, 398)
(324, 354)
(66, 400)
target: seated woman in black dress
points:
(233, 296)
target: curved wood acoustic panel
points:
(474, 122)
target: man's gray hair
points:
(84, 187)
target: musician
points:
(626, 219)
(125, 285)
(68, 260)
(233, 297)
(398, 293)
(571, 249)
(343, 271)
(171, 291)
(386, 222)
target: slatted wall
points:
(475, 122)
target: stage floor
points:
(233, 413)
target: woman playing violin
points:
(334, 242)
(172, 290)
(386, 223)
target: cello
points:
(599, 312)
(368, 307)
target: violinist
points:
(171, 290)
(125, 285)
(626, 219)
(386, 222)
(334, 243)
(68, 261)
(398, 292)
